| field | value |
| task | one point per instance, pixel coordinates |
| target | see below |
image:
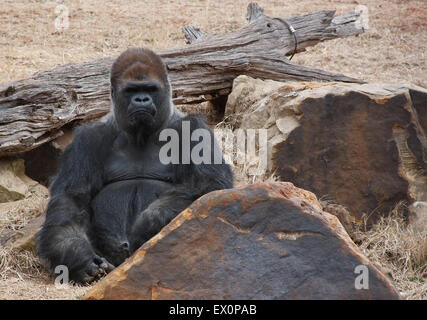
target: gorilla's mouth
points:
(142, 112)
(138, 116)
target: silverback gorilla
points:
(113, 192)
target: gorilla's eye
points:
(131, 90)
(141, 86)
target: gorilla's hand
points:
(68, 245)
(148, 224)
(158, 214)
(93, 269)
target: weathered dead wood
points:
(33, 110)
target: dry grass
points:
(23, 277)
(21, 274)
(399, 248)
(243, 172)
(20, 213)
(392, 51)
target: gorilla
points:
(113, 192)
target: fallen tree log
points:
(33, 110)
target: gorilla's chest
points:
(129, 162)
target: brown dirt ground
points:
(392, 50)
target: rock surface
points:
(362, 146)
(13, 184)
(265, 241)
(22, 204)
(418, 217)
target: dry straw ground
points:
(400, 249)
(392, 51)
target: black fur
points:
(112, 193)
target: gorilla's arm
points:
(192, 181)
(64, 238)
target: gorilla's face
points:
(140, 92)
(141, 105)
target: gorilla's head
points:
(140, 92)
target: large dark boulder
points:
(363, 146)
(266, 241)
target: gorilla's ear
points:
(112, 92)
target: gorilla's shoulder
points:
(95, 134)
(196, 121)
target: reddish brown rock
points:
(266, 241)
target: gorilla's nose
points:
(142, 100)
